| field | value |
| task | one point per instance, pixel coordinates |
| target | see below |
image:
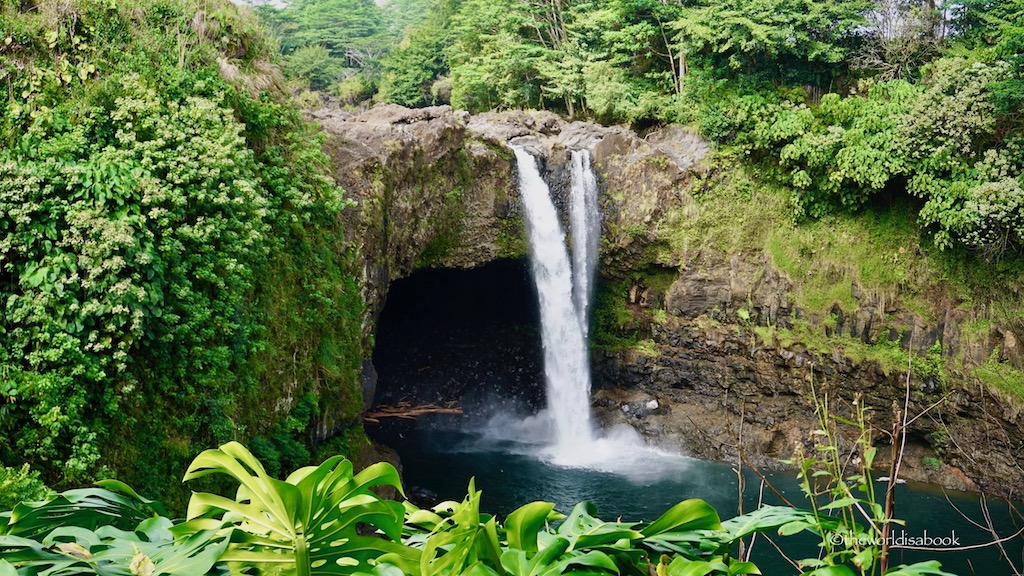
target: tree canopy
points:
(839, 99)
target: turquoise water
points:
(439, 457)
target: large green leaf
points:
(692, 514)
(113, 503)
(832, 571)
(110, 551)
(684, 567)
(523, 524)
(719, 565)
(770, 518)
(518, 562)
(930, 568)
(555, 559)
(694, 544)
(308, 523)
(585, 531)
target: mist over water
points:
(562, 434)
(566, 362)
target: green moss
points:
(768, 335)
(879, 250)
(614, 323)
(435, 252)
(1001, 376)
(888, 355)
(503, 152)
(976, 328)
(647, 347)
(728, 213)
(708, 323)
(512, 238)
(620, 324)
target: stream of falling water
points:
(562, 308)
(585, 225)
(564, 286)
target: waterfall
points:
(564, 293)
(585, 225)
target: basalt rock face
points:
(713, 377)
(437, 188)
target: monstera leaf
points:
(154, 547)
(112, 503)
(308, 523)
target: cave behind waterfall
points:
(465, 336)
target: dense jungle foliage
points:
(172, 263)
(843, 101)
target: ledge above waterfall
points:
(436, 187)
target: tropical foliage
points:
(325, 520)
(842, 101)
(158, 200)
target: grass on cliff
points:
(880, 249)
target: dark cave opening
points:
(471, 337)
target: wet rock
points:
(708, 386)
(696, 293)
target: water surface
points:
(441, 455)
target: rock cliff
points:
(703, 350)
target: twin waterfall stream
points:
(564, 434)
(564, 291)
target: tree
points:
(315, 66)
(787, 41)
(402, 15)
(320, 39)
(409, 70)
(349, 29)
(901, 37)
(493, 59)
(632, 67)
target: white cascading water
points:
(585, 226)
(564, 286)
(563, 302)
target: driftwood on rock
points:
(408, 411)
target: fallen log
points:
(408, 411)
